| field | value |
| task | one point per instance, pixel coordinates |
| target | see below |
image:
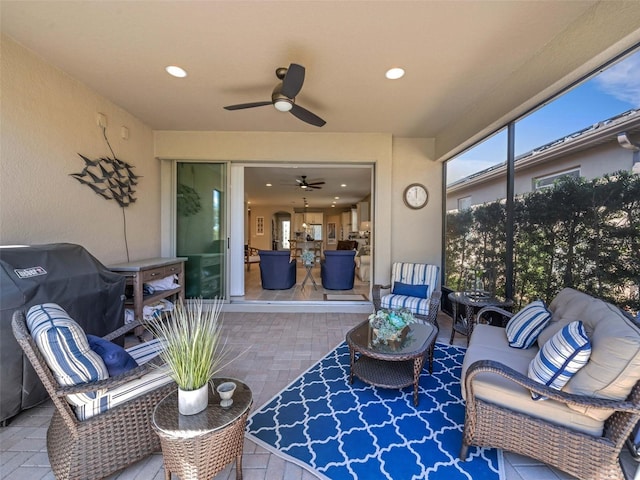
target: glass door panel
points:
(201, 227)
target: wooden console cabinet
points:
(142, 271)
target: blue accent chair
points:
(277, 269)
(338, 269)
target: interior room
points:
(142, 136)
(284, 213)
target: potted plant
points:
(390, 326)
(193, 350)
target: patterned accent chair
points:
(277, 269)
(414, 286)
(338, 269)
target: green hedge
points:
(579, 233)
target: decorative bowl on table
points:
(390, 327)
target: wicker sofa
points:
(580, 429)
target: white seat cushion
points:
(142, 353)
(416, 305)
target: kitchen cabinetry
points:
(139, 272)
(310, 218)
(314, 218)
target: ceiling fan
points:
(302, 183)
(284, 95)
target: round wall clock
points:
(416, 196)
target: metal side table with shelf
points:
(466, 304)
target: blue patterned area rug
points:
(339, 431)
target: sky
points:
(609, 93)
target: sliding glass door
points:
(201, 227)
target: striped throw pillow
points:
(525, 326)
(65, 348)
(560, 357)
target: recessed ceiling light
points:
(343, 185)
(268, 185)
(333, 206)
(176, 71)
(336, 198)
(394, 73)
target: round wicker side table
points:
(199, 446)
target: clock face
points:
(416, 196)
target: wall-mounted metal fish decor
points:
(110, 178)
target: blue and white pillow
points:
(525, 326)
(560, 357)
(65, 348)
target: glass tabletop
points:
(167, 418)
(479, 298)
(418, 339)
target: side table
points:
(309, 267)
(199, 446)
(472, 302)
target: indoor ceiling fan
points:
(284, 95)
(302, 183)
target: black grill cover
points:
(60, 273)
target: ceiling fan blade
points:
(293, 80)
(306, 116)
(240, 106)
(315, 183)
(314, 186)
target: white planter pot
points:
(191, 402)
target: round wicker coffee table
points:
(391, 367)
(199, 446)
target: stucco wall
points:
(416, 234)
(400, 233)
(47, 118)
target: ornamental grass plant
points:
(194, 348)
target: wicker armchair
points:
(105, 443)
(582, 455)
(401, 272)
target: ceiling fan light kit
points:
(302, 181)
(284, 94)
(283, 104)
